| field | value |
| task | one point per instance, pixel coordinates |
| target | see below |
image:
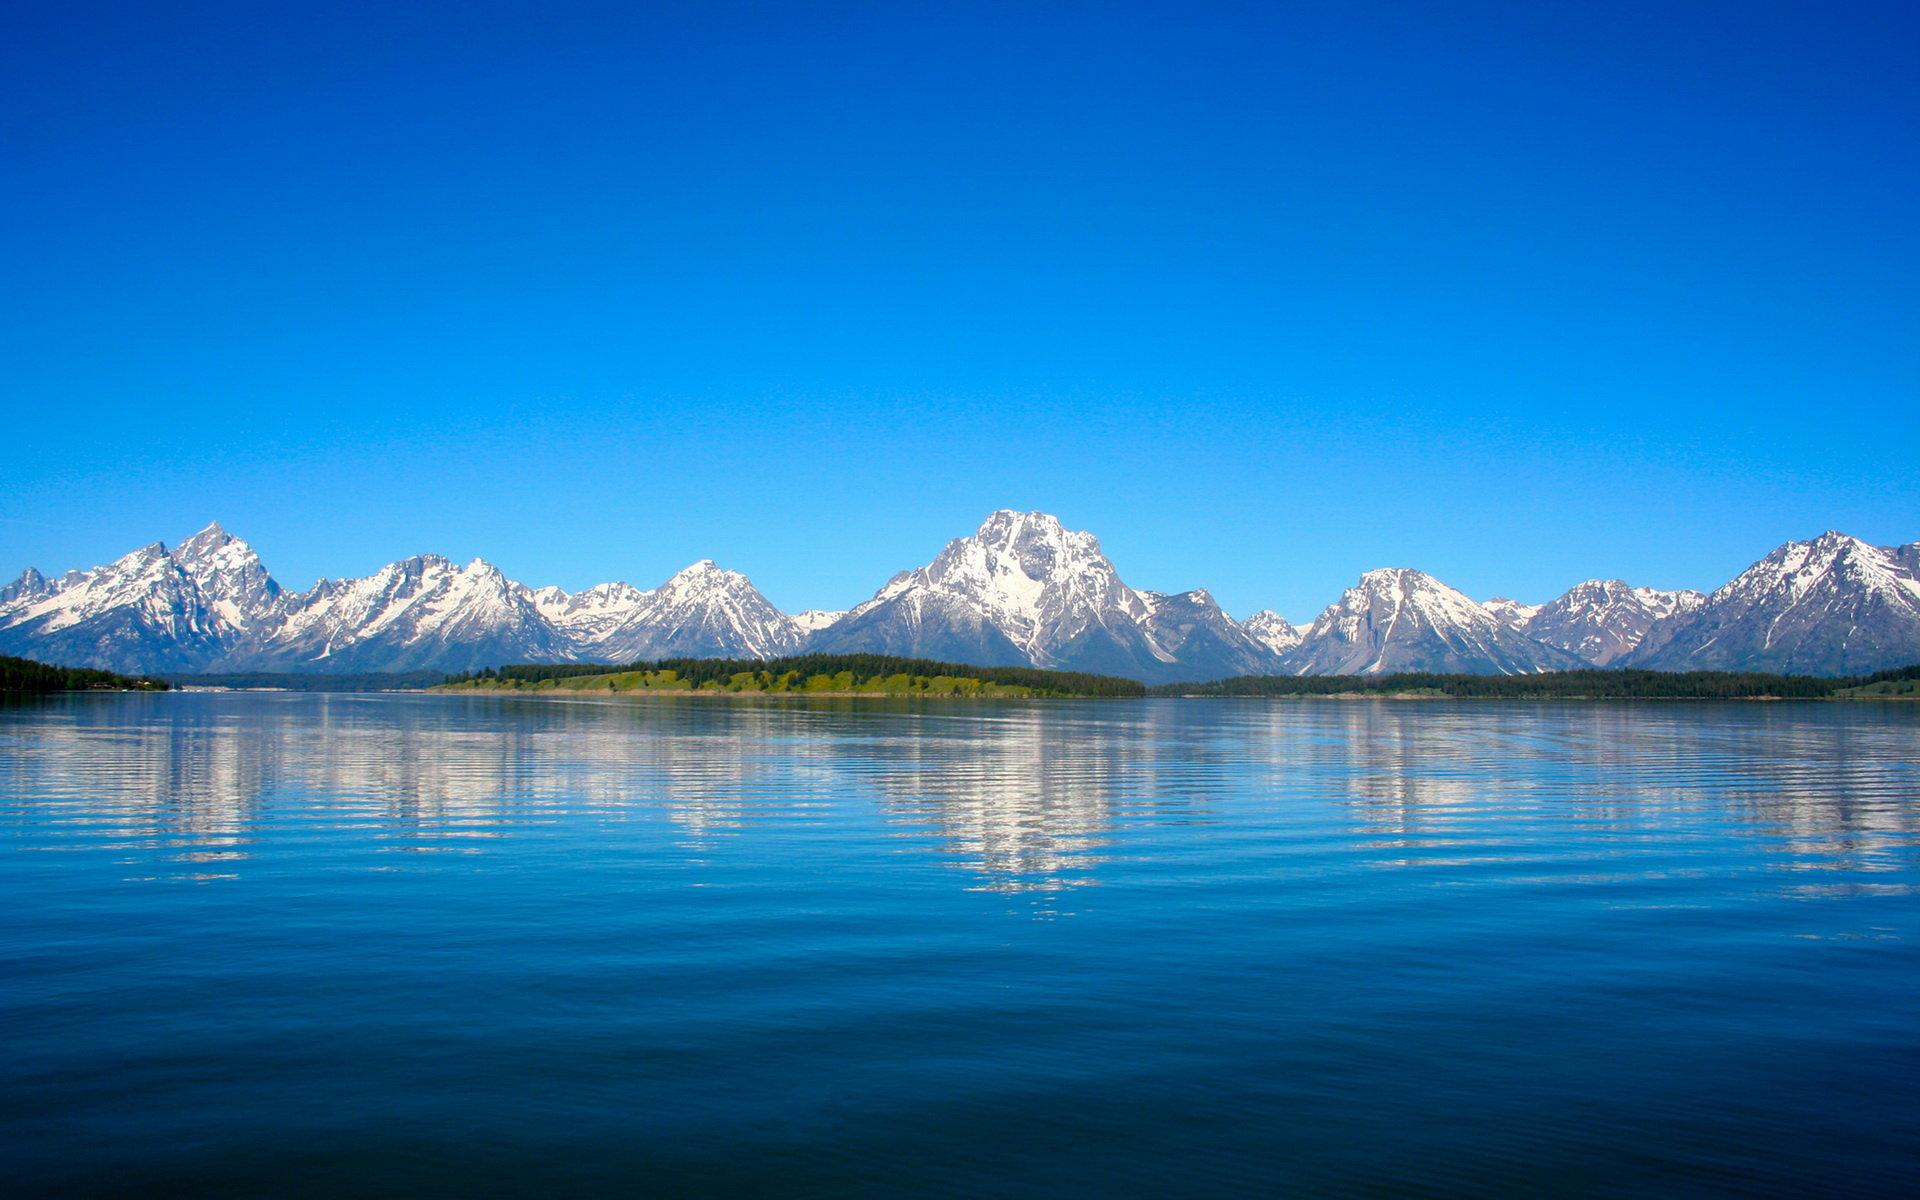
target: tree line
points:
(1565, 685)
(26, 675)
(866, 668)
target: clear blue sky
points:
(1264, 295)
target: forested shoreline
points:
(1566, 685)
(842, 674)
(27, 675)
(888, 675)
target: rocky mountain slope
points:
(1023, 589)
(1834, 605)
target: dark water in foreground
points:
(285, 944)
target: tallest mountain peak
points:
(1024, 590)
(1010, 522)
(214, 537)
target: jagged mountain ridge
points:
(152, 609)
(1021, 590)
(210, 604)
(421, 613)
(1604, 620)
(1511, 612)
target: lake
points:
(278, 944)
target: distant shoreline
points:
(859, 676)
(1344, 697)
(876, 674)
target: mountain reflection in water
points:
(269, 944)
(1022, 797)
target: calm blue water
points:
(280, 944)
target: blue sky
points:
(1264, 295)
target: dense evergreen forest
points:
(1566, 685)
(26, 675)
(864, 673)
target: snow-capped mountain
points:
(30, 585)
(140, 606)
(1511, 612)
(421, 613)
(1021, 590)
(1273, 630)
(1396, 619)
(1834, 605)
(1024, 590)
(1604, 620)
(209, 604)
(231, 579)
(148, 610)
(814, 620)
(704, 611)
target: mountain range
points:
(1020, 590)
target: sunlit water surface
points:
(282, 944)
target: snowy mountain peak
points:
(1024, 568)
(207, 541)
(1510, 612)
(705, 573)
(147, 603)
(230, 578)
(1833, 541)
(813, 620)
(1400, 619)
(1024, 589)
(1273, 630)
(1008, 525)
(30, 585)
(702, 610)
